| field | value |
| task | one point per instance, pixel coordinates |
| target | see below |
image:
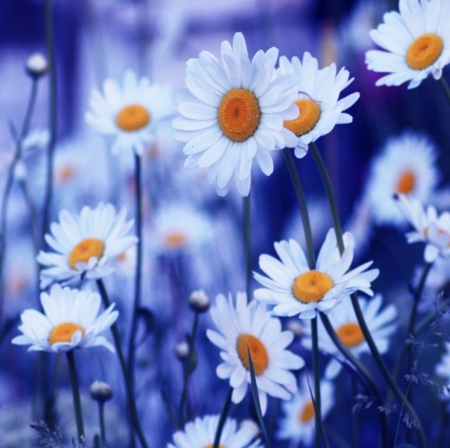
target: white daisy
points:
(233, 113)
(85, 245)
(251, 327)
(407, 165)
(70, 321)
(416, 40)
(294, 288)
(130, 112)
(298, 422)
(317, 96)
(381, 324)
(443, 368)
(430, 228)
(201, 433)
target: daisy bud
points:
(101, 391)
(37, 65)
(199, 301)
(296, 327)
(182, 351)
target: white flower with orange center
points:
(245, 328)
(201, 433)
(232, 113)
(317, 96)
(70, 321)
(430, 227)
(131, 112)
(381, 323)
(294, 288)
(298, 422)
(85, 245)
(416, 40)
(407, 165)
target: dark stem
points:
(247, 245)
(101, 417)
(445, 87)
(76, 394)
(222, 418)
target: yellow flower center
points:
(64, 332)
(211, 446)
(424, 51)
(406, 182)
(307, 413)
(308, 118)
(132, 118)
(175, 239)
(350, 335)
(239, 114)
(258, 352)
(65, 173)
(311, 286)
(83, 251)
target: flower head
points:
(85, 245)
(250, 327)
(294, 288)
(70, 321)
(416, 40)
(232, 113)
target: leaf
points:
(148, 318)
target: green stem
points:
(76, 394)
(222, 418)
(445, 87)
(247, 246)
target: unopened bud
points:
(296, 327)
(36, 65)
(199, 301)
(182, 351)
(101, 391)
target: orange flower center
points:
(239, 114)
(83, 251)
(307, 413)
(350, 335)
(308, 118)
(406, 182)
(175, 239)
(64, 332)
(132, 118)
(424, 51)
(311, 286)
(66, 173)
(258, 352)
(211, 446)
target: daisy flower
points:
(443, 368)
(69, 321)
(201, 432)
(317, 96)
(85, 245)
(381, 324)
(407, 165)
(130, 112)
(298, 422)
(294, 288)
(416, 40)
(232, 113)
(430, 228)
(251, 327)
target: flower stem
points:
(101, 418)
(247, 245)
(445, 87)
(222, 418)
(76, 394)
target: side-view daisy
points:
(416, 40)
(201, 432)
(317, 96)
(250, 327)
(294, 288)
(70, 321)
(232, 113)
(130, 112)
(85, 245)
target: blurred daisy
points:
(201, 432)
(430, 228)
(130, 112)
(298, 422)
(407, 165)
(251, 327)
(70, 321)
(317, 96)
(233, 113)
(85, 245)
(294, 288)
(416, 40)
(381, 323)
(443, 368)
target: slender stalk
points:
(76, 394)
(222, 418)
(101, 418)
(131, 401)
(445, 87)
(247, 246)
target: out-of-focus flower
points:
(250, 327)
(101, 391)
(381, 324)
(416, 40)
(294, 288)
(130, 112)
(85, 245)
(407, 165)
(298, 422)
(182, 351)
(201, 432)
(233, 113)
(317, 96)
(70, 321)
(37, 65)
(443, 368)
